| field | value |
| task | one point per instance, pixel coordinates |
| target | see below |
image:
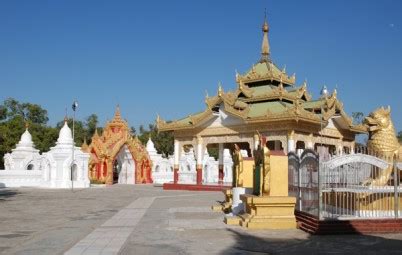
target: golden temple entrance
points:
(116, 156)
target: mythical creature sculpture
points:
(382, 141)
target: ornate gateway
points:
(117, 157)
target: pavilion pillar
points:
(339, 148)
(291, 141)
(199, 160)
(109, 175)
(310, 144)
(220, 166)
(176, 161)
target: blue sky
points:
(160, 57)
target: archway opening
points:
(274, 145)
(30, 166)
(74, 172)
(124, 167)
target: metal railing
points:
(348, 186)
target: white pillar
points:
(309, 144)
(221, 154)
(291, 142)
(200, 153)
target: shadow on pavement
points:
(6, 193)
(313, 244)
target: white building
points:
(24, 166)
(162, 168)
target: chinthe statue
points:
(382, 142)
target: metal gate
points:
(349, 186)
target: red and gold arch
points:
(105, 148)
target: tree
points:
(13, 116)
(357, 118)
(91, 123)
(163, 141)
(3, 112)
(30, 112)
(400, 136)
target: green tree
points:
(400, 136)
(163, 141)
(91, 123)
(13, 116)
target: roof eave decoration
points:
(254, 76)
(193, 121)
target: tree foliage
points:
(163, 141)
(400, 136)
(14, 115)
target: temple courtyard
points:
(143, 219)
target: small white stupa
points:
(162, 168)
(24, 156)
(65, 172)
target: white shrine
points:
(162, 168)
(25, 167)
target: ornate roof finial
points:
(206, 94)
(117, 114)
(305, 83)
(220, 90)
(265, 43)
(284, 69)
(26, 124)
(65, 116)
(324, 92)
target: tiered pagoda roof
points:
(267, 94)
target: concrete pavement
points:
(143, 219)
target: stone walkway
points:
(141, 219)
(110, 237)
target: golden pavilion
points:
(266, 101)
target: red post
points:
(199, 176)
(220, 174)
(176, 175)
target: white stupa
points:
(24, 166)
(62, 167)
(24, 156)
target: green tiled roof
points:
(260, 109)
(313, 104)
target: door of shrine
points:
(124, 167)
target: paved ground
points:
(147, 220)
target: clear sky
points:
(160, 57)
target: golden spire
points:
(265, 43)
(84, 145)
(117, 114)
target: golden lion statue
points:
(382, 141)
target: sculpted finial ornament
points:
(220, 90)
(304, 84)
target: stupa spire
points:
(117, 114)
(265, 53)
